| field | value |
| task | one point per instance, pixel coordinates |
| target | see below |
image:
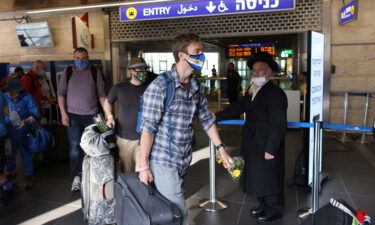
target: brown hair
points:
(181, 42)
(80, 49)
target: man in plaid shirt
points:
(166, 137)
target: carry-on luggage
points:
(140, 204)
(98, 176)
(338, 212)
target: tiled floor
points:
(353, 179)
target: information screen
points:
(316, 72)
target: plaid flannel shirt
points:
(174, 151)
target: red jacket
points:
(33, 86)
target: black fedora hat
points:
(263, 57)
(14, 84)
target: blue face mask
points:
(41, 73)
(196, 61)
(81, 64)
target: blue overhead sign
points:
(202, 8)
(349, 12)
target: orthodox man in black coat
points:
(263, 137)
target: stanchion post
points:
(212, 204)
(316, 167)
(304, 212)
(243, 94)
(304, 105)
(363, 140)
(346, 100)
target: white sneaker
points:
(76, 186)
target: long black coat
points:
(264, 131)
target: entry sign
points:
(201, 8)
(349, 12)
(316, 69)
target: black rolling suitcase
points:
(140, 204)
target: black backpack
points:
(94, 73)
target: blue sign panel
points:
(202, 8)
(349, 12)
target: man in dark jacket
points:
(263, 138)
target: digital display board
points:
(247, 50)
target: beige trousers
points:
(130, 154)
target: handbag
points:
(38, 139)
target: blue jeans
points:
(16, 138)
(78, 123)
(169, 183)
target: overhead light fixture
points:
(96, 6)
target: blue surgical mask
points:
(41, 73)
(196, 61)
(81, 64)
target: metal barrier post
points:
(304, 105)
(346, 99)
(363, 140)
(316, 167)
(219, 100)
(212, 204)
(304, 212)
(243, 94)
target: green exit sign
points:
(286, 53)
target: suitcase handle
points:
(151, 189)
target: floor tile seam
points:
(362, 195)
(240, 211)
(359, 178)
(346, 190)
(365, 153)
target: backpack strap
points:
(94, 73)
(170, 90)
(167, 102)
(69, 73)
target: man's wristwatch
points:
(217, 147)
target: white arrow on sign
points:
(211, 7)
